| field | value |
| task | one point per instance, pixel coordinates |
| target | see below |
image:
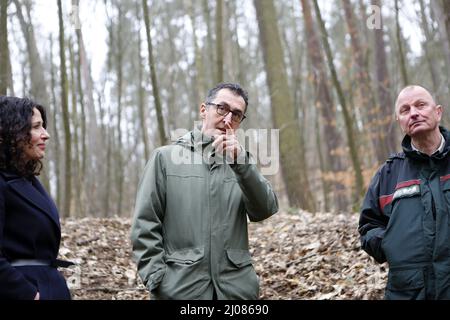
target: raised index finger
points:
(230, 130)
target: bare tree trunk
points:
(219, 41)
(351, 137)
(241, 72)
(366, 97)
(200, 84)
(283, 110)
(66, 117)
(82, 123)
(400, 47)
(5, 46)
(4, 51)
(91, 162)
(295, 60)
(81, 100)
(107, 128)
(442, 14)
(10, 76)
(141, 103)
(446, 11)
(173, 76)
(426, 46)
(74, 137)
(106, 168)
(118, 152)
(209, 41)
(38, 89)
(25, 90)
(85, 74)
(162, 132)
(389, 136)
(324, 103)
(322, 166)
(54, 129)
(363, 16)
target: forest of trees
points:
(325, 73)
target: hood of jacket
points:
(198, 142)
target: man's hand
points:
(228, 144)
(37, 297)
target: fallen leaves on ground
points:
(297, 256)
(314, 256)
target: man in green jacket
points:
(189, 232)
(405, 215)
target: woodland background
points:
(119, 76)
(324, 72)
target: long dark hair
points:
(15, 128)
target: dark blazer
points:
(29, 229)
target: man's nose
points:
(227, 118)
(414, 112)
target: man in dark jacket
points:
(405, 214)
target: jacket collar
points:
(33, 192)
(410, 152)
(196, 141)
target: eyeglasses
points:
(223, 110)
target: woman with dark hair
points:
(30, 232)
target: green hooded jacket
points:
(189, 233)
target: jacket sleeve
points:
(13, 284)
(259, 199)
(372, 222)
(146, 231)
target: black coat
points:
(29, 229)
(405, 221)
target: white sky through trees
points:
(93, 19)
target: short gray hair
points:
(233, 87)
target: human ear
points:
(439, 111)
(202, 111)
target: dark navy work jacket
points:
(29, 229)
(405, 220)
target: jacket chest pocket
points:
(446, 191)
(407, 204)
(185, 210)
(406, 209)
(404, 237)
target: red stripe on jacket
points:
(408, 183)
(385, 200)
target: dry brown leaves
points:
(102, 250)
(297, 256)
(314, 256)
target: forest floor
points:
(296, 255)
